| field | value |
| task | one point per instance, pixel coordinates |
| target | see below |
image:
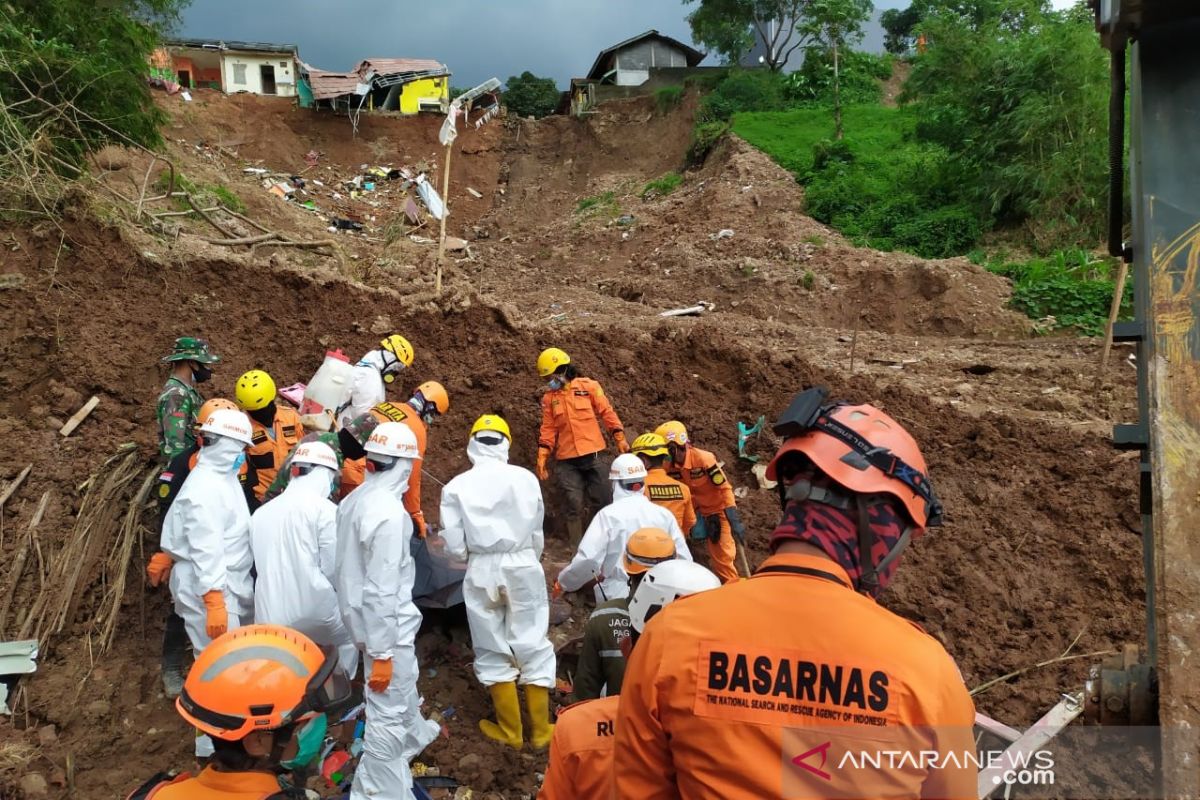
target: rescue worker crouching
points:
(261, 693)
(581, 753)
(716, 685)
(277, 428)
(599, 557)
(179, 403)
(719, 521)
(375, 573)
(573, 409)
(492, 517)
(294, 539)
(601, 659)
(372, 374)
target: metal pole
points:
(437, 286)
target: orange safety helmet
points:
(212, 405)
(260, 677)
(674, 432)
(433, 392)
(847, 466)
(647, 547)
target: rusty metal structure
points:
(1161, 39)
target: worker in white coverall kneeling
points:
(492, 515)
(207, 535)
(601, 553)
(294, 537)
(375, 574)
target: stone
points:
(47, 735)
(34, 785)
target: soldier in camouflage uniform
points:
(179, 402)
(285, 470)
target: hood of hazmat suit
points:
(367, 389)
(493, 515)
(207, 533)
(294, 539)
(602, 548)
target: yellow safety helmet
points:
(492, 423)
(673, 432)
(255, 390)
(650, 444)
(550, 360)
(398, 346)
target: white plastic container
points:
(328, 390)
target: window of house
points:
(239, 74)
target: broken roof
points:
(399, 66)
(222, 44)
(328, 85)
(692, 55)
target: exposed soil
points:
(1041, 546)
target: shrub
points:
(668, 97)
(744, 90)
(1072, 286)
(704, 138)
(861, 74)
(939, 233)
(660, 187)
(228, 198)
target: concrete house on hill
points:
(232, 67)
(629, 63)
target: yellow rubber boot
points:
(508, 715)
(537, 700)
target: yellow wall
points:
(425, 88)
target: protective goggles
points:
(633, 561)
(377, 462)
(809, 411)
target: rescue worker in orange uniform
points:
(428, 402)
(761, 688)
(661, 488)
(277, 428)
(581, 752)
(719, 521)
(573, 408)
(261, 693)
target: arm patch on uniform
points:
(393, 412)
(716, 474)
(665, 492)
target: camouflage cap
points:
(361, 427)
(191, 348)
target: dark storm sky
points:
(475, 38)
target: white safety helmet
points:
(393, 439)
(664, 584)
(627, 467)
(228, 422)
(316, 453)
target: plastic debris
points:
(430, 197)
(724, 233)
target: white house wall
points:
(634, 62)
(285, 72)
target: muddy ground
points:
(1040, 551)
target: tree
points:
(91, 55)
(527, 95)
(834, 25)
(731, 28)
(899, 28)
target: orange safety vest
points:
(269, 450)
(581, 752)
(672, 495)
(354, 470)
(211, 785)
(762, 687)
(571, 419)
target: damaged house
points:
(253, 67)
(407, 85)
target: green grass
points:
(668, 98)
(1074, 287)
(603, 204)
(227, 197)
(661, 187)
(789, 136)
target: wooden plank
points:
(14, 485)
(80, 416)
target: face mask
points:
(556, 384)
(309, 740)
(201, 374)
(237, 462)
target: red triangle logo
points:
(823, 751)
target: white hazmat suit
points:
(367, 388)
(294, 538)
(375, 574)
(492, 515)
(602, 548)
(207, 534)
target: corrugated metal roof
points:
(328, 85)
(398, 66)
(220, 44)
